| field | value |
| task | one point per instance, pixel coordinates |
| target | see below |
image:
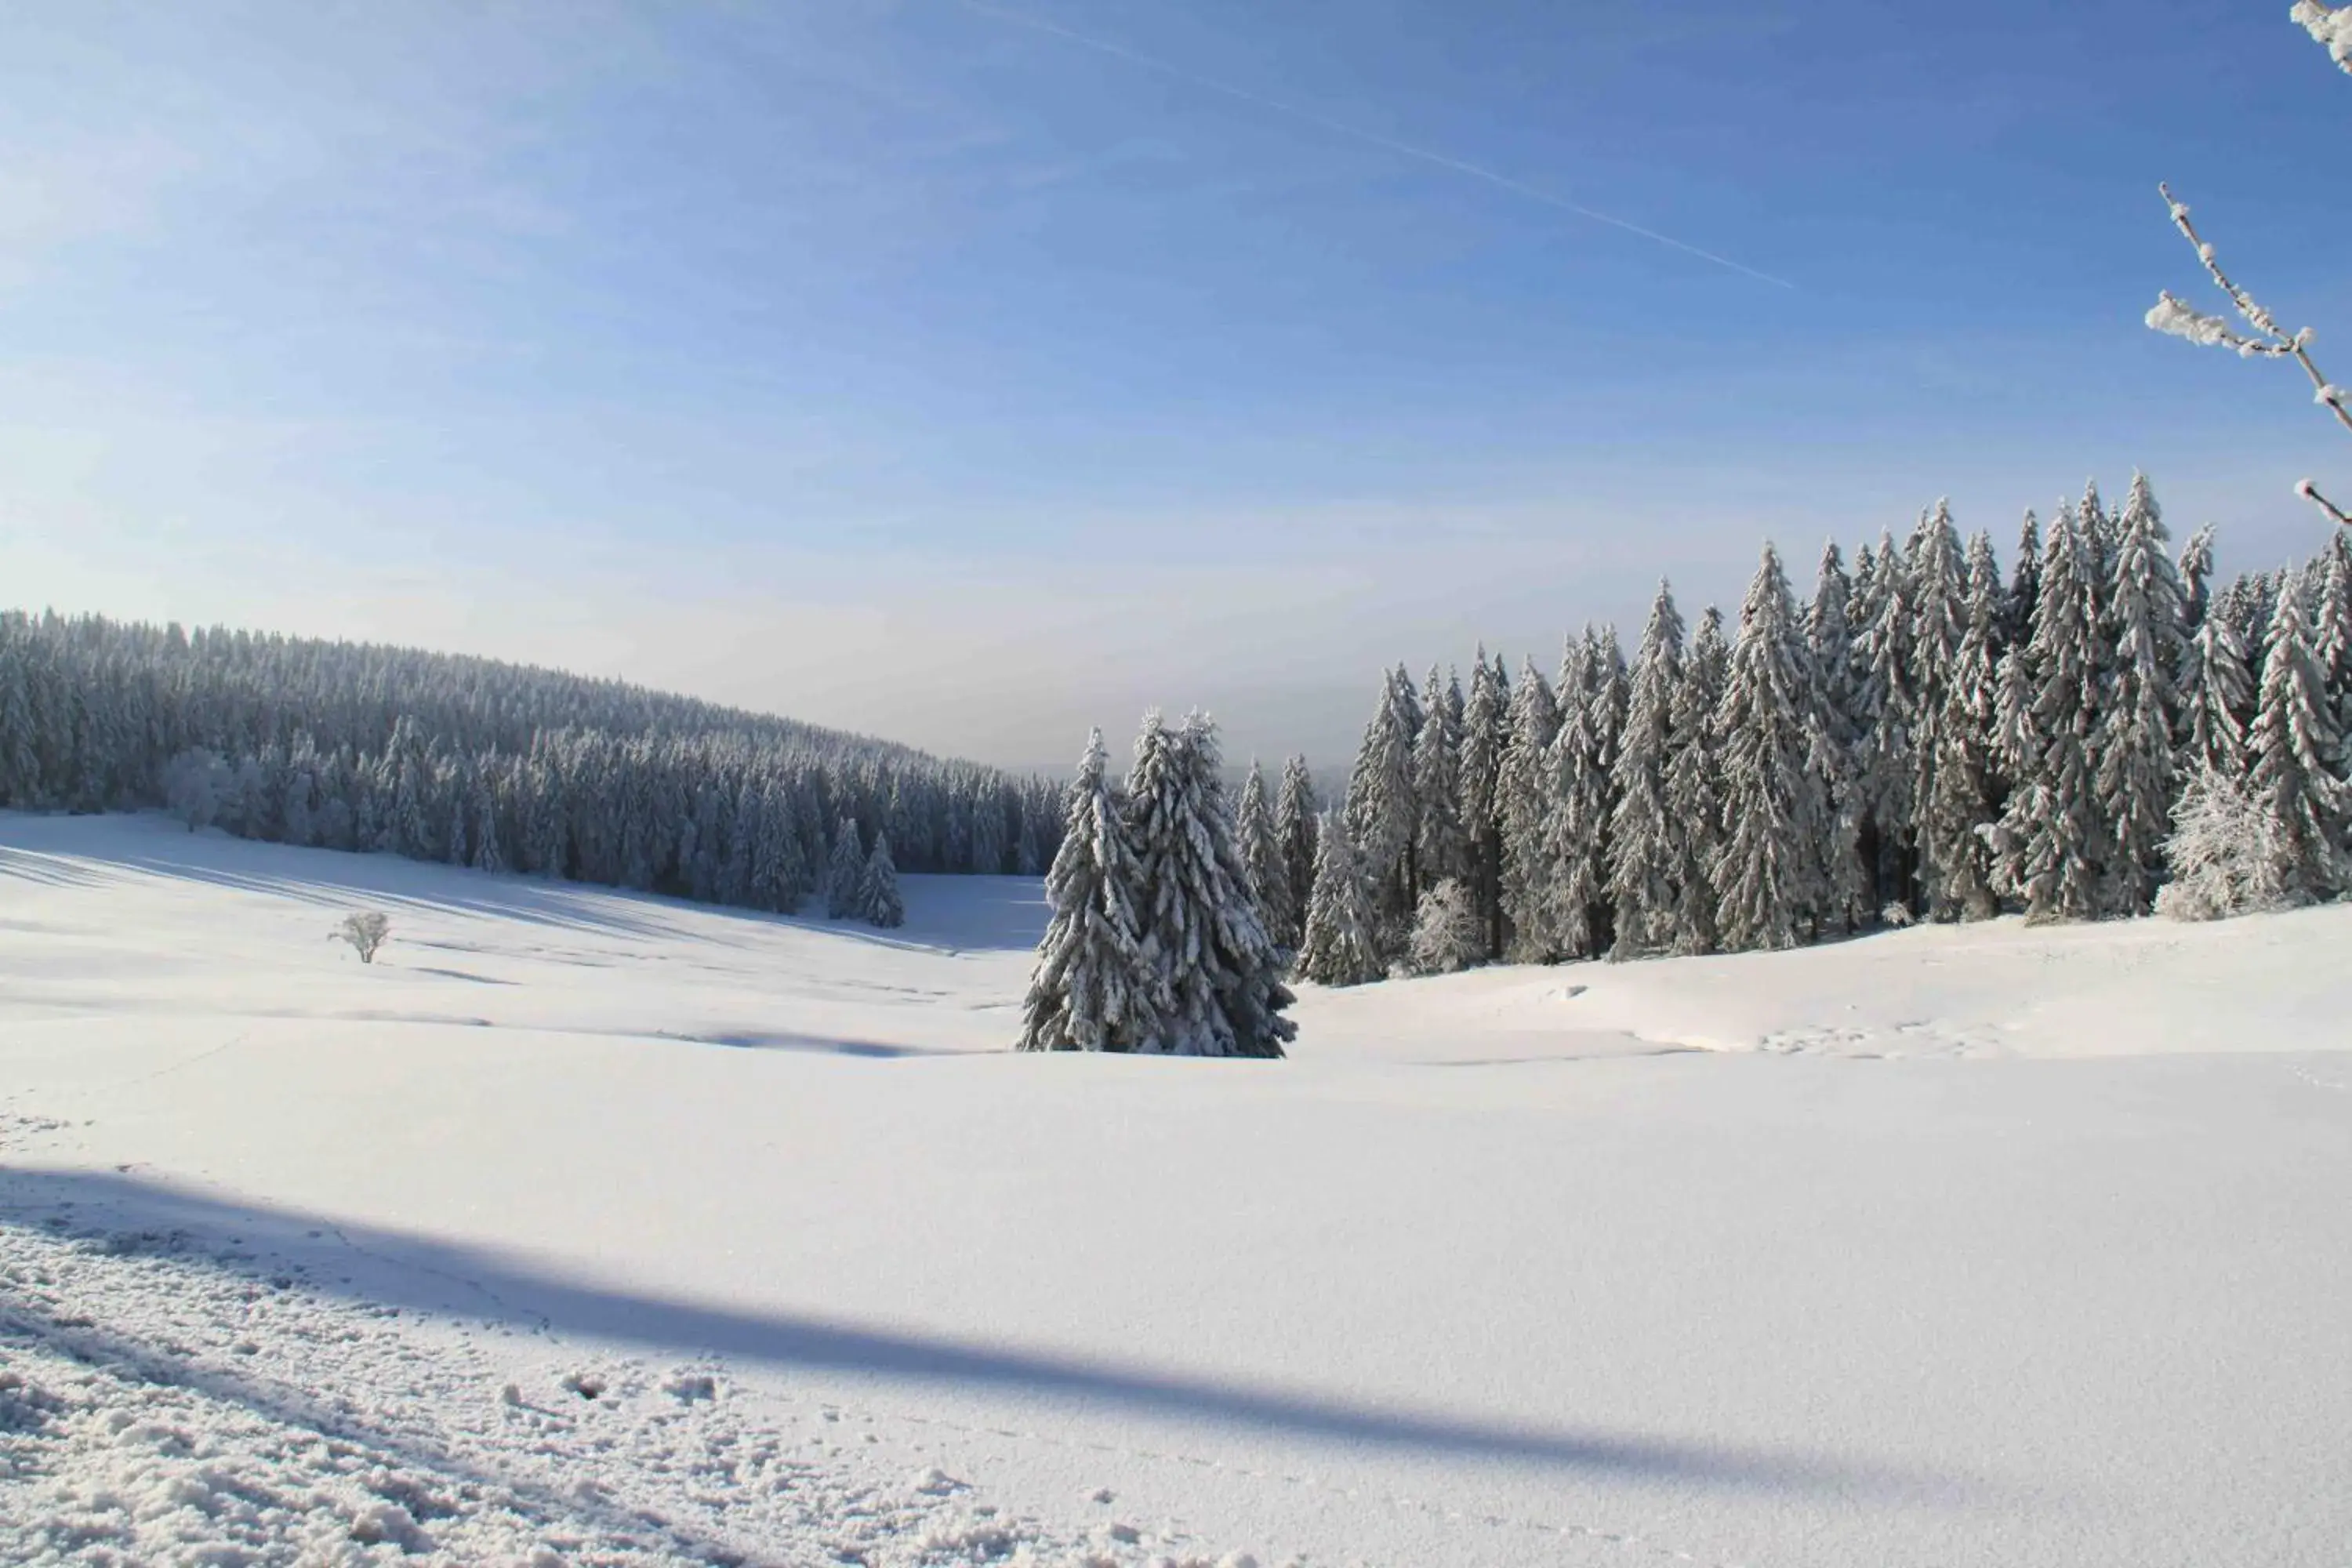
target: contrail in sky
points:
(1357, 133)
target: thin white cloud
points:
(1370, 138)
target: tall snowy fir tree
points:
(1960, 806)
(2023, 600)
(2194, 567)
(1695, 784)
(1937, 576)
(2102, 536)
(845, 878)
(1577, 833)
(1524, 804)
(1295, 811)
(1339, 948)
(2331, 623)
(2145, 620)
(1441, 848)
(2217, 693)
(1484, 738)
(1887, 724)
(1094, 988)
(1220, 974)
(1833, 745)
(1766, 874)
(1534, 825)
(2051, 833)
(1269, 873)
(1382, 812)
(879, 900)
(1610, 692)
(488, 854)
(2296, 748)
(1646, 850)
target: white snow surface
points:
(585, 1227)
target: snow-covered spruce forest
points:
(496, 766)
(1925, 737)
(2096, 730)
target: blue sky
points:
(920, 368)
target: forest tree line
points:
(1922, 737)
(477, 763)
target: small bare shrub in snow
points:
(2224, 853)
(1446, 935)
(365, 930)
(1896, 916)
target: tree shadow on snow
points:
(397, 1269)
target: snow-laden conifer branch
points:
(2267, 340)
(2329, 25)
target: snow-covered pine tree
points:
(1095, 987)
(780, 878)
(1832, 745)
(2296, 745)
(1695, 784)
(2025, 596)
(1269, 875)
(1381, 813)
(1220, 974)
(745, 815)
(1937, 577)
(1338, 948)
(1525, 805)
(2051, 831)
(2217, 689)
(2195, 569)
(1441, 850)
(2141, 712)
(1546, 927)
(1029, 849)
(1577, 829)
(1956, 817)
(2331, 623)
(301, 792)
(1595, 798)
(1766, 874)
(1295, 811)
(20, 762)
(991, 832)
(845, 878)
(2101, 532)
(879, 891)
(2255, 606)
(1887, 724)
(488, 838)
(406, 769)
(1483, 739)
(1644, 849)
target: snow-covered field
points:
(588, 1228)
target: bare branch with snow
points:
(2330, 25)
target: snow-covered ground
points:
(589, 1228)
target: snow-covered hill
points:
(591, 1229)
